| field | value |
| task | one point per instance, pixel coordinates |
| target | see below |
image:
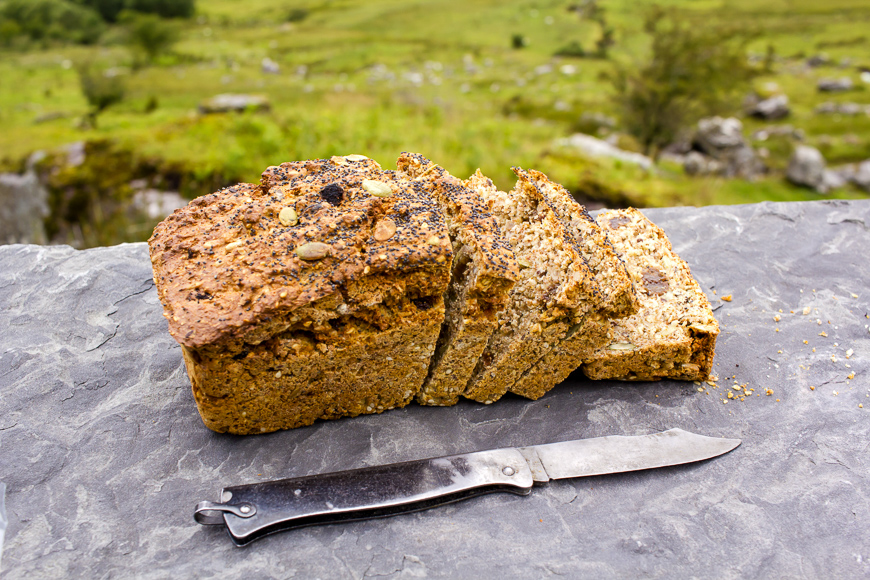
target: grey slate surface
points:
(105, 457)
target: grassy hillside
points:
(438, 77)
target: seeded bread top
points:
(553, 275)
(614, 282)
(234, 264)
(472, 227)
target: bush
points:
(110, 10)
(101, 92)
(44, 20)
(572, 50)
(107, 9)
(695, 70)
(297, 15)
(163, 8)
(148, 35)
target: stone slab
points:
(105, 456)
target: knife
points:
(253, 511)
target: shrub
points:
(148, 35)
(107, 9)
(695, 69)
(163, 8)
(297, 15)
(44, 20)
(100, 90)
(572, 50)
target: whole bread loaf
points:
(335, 288)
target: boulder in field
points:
(806, 168)
(23, 205)
(230, 102)
(775, 107)
(835, 85)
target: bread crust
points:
(357, 251)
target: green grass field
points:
(381, 77)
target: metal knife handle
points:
(253, 511)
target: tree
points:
(101, 91)
(110, 10)
(148, 35)
(44, 20)
(694, 70)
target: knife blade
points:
(252, 511)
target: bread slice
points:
(555, 286)
(317, 294)
(483, 272)
(590, 330)
(674, 332)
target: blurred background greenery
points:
(121, 110)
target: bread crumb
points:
(807, 310)
(727, 298)
(823, 333)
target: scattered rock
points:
(818, 60)
(716, 134)
(158, 204)
(861, 177)
(696, 163)
(773, 108)
(269, 66)
(779, 131)
(849, 109)
(806, 167)
(832, 180)
(597, 119)
(51, 116)
(594, 147)
(23, 206)
(75, 153)
(835, 85)
(722, 140)
(229, 102)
